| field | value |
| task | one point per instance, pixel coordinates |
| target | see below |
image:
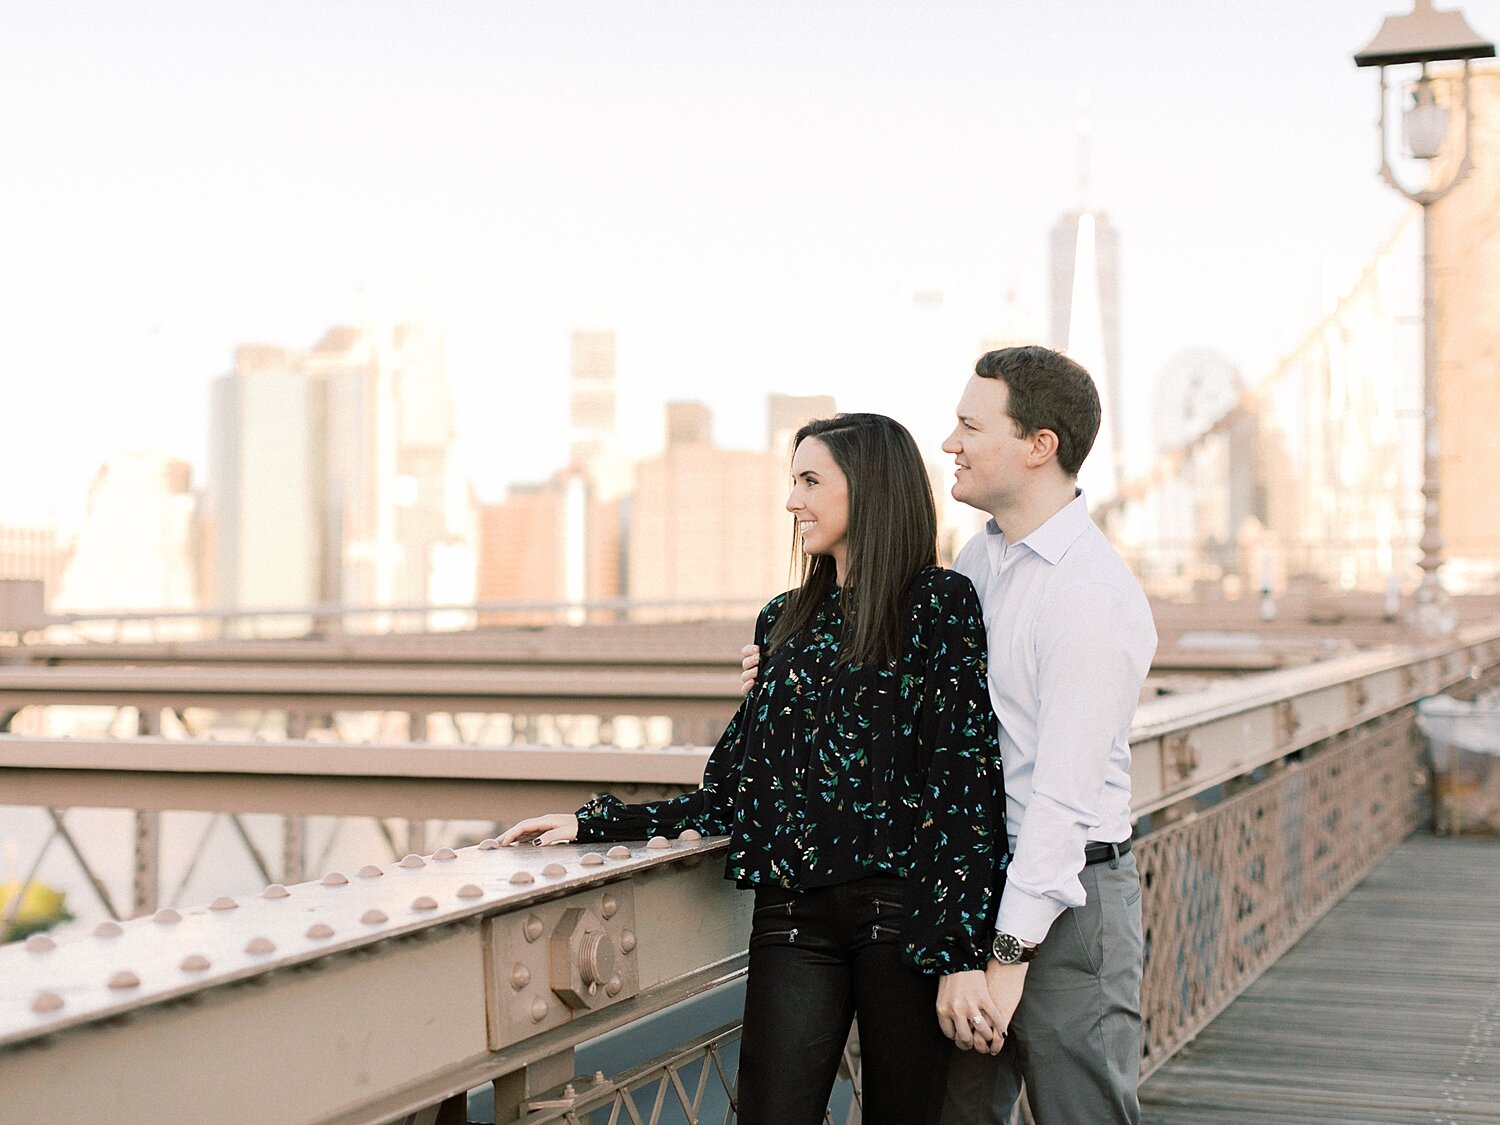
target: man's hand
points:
(750, 665)
(554, 828)
(968, 1014)
(1005, 983)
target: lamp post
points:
(1425, 35)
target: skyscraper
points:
(1085, 303)
(135, 548)
(334, 475)
(591, 393)
(262, 510)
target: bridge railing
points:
(388, 991)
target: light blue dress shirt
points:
(1070, 641)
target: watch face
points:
(1007, 949)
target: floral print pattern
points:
(831, 772)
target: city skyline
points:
(745, 198)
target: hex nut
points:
(582, 954)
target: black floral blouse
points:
(833, 772)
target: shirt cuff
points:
(1026, 916)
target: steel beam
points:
(319, 778)
(355, 1001)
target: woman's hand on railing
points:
(552, 828)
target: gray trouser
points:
(1076, 1036)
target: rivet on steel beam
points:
(614, 986)
(335, 879)
(599, 1079)
(443, 855)
(538, 1010)
(320, 930)
(124, 979)
(275, 890)
(592, 859)
(469, 890)
(520, 877)
(489, 845)
(46, 1002)
(608, 905)
(569, 1091)
(413, 861)
(554, 869)
(260, 945)
(40, 943)
(520, 976)
(627, 940)
(619, 851)
(658, 842)
(108, 929)
(687, 835)
(369, 871)
(166, 916)
(373, 917)
(532, 927)
(194, 963)
(424, 902)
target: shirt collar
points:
(1052, 540)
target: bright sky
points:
(747, 193)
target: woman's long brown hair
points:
(892, 535)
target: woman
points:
(860, 786)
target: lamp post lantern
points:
(1425, 35)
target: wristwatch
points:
(1011, 950)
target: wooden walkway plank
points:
(1387, 1011)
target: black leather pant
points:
(818, 960)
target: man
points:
(1070, 641)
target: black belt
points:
(1098, 853)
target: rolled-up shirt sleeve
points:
(1092, 656)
